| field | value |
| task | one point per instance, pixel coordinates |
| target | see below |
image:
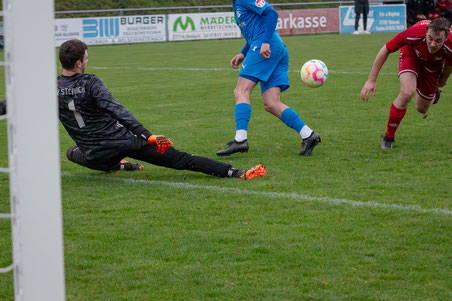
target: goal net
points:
(33, 150)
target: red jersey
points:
(443, 5)
(414, 38)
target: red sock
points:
(395, 117)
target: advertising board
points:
(112, 30)
(381, 18)
(202, 26)
(308, 21)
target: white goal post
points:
(33, 149)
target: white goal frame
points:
(33, 150)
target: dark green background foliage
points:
(105, 4)
(65, 5)
(78, 5)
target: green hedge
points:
(65, 5)
(71, 5)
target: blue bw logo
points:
(99, 28)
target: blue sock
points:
(292, 120)
(242, 116)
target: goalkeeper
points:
(105, 132)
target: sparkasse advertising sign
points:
(306, 21)
(202, 26)
(112, 30)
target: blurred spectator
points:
(430, 10)
(361, 7)
(443, 8)
(415, 12)
(418, 10)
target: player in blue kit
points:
(264, 59)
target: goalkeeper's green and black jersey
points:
(93, 117)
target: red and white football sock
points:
(395, 118)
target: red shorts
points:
(427, 82)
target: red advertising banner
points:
(305, 21)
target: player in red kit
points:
(425, 64)
(443, 8)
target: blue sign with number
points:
(381, 18)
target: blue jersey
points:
(248, 16)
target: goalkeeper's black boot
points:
(234, 147)
(309, 143)
(129, 166)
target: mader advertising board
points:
(308, 21)
(112, 30)
(202, 26)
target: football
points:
(314, 73)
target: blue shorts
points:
(271, 72)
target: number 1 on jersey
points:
(77, 115)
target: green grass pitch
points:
(349, 222)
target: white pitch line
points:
(295, 196)
(220, 69)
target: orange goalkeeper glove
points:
(161, 141)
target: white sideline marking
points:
(221, 69)
(295, 196)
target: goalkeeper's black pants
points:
(172, 158)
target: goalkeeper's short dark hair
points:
(70, 52)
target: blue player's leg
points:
(242, 116)
(273, 104)
(271, 89)
(289, 117)
(243, 106)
